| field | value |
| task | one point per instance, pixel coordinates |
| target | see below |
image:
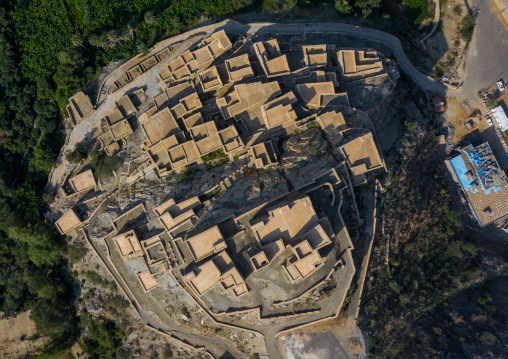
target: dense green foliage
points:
(104, 165)
(425, 299)
(79, 153)
(417, 10)
(102, 338)
(466, 27)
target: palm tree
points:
(132, 28)
(112, 37)
(150, 18)
(76, 41)
(125, 34)
(94, 40)
(173, 26)
(142, 48)
(103, 42)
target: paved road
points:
(426, 83)
(488, 52)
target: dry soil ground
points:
(12, 330)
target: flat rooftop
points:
(160, 125)
(311, 93)
(362, 154)
(68, 222)
(239, 67)
(483, 181)
(206, 243)
(315, 55)
(285, 222)
(83, 181)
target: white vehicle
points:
(489, 120)
(500, 85)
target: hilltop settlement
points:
(233, 211)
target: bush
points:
(103, 339)
(76, 254)
(417, 10)
(80, 152)
(457, 9)
(214, 155)
(488, 338)
(270, 5)
(343, 7)
(395, 287)
(453, 250)
(491, 103)
(104, 165)
(466, 27)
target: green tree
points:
(367, 6)
(343, 7)
(67, 77)
(79, 153)
(51, 318)
(104, 165)
(466, 27)
(103, 339)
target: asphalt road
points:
(488, 52)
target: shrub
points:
(457, 9)
(453, 250)
(76, 254)
(470, 248)
(343, 7)
(488, 338)
(214, 155)
(80, 152)
(491, 103)
(104, 165)
(270, 5)
(466, 27)
(395, 287)
(418, 10)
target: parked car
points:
(489, 120)
(500, 85)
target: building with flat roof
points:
(332, 122)
(285, 222)
(219, 269)
(362, 155)
(357, 64)
(262, 154)
(239, 68)
(483, 182)
(128, 245)
(304, 262)
(312, 93)
(172, 214)
(189, 62)
(159, 126)
(147, 281)
(246, 96)
(80, 183)
(210, 80)
(260, 258)
(280, 112)
(315, 56)
(68, 222)
(206, 137)
(273, 62)
(206, 244)
(79, 107)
